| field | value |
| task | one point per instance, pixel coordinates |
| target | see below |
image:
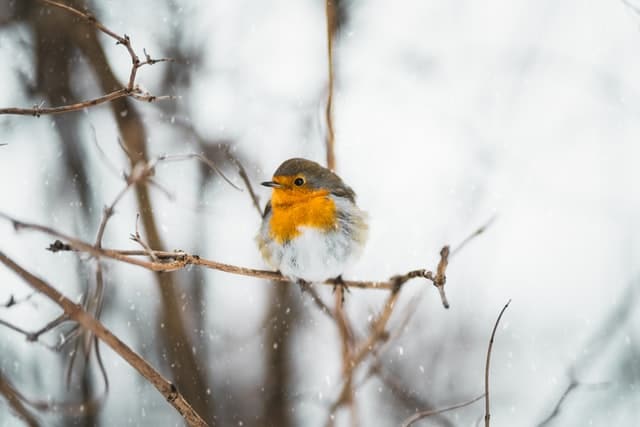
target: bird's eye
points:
(299, 181)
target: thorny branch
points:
(77, 313)
(130, 90)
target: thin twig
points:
(420, 415)
(203, 159)
(346, 396)
(487, 414)
(476, 233)
(38, 111)
(112, 168)
(77, 313)
(247, 182)
(331, 14)
(130, 90)
(138, 239)
(573, 385)
(308, 288)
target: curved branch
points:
(487, 415)
(424, 414)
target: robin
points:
(312, 228)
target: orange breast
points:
(293, 209)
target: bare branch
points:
(203, 159)
(130, 90)
(247, 183)
(573, 385)
(476, 233)
(15, 401)
(138, 239)
(424, 414)
(77, 313)
(487, 415)
(332, 22)
(307, 287)
(38, 111)
(172, 261)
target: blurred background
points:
(447, 113)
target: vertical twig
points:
(487, 415)
(332, 22)
(341, 317)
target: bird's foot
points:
(304, 285)
(338, 281)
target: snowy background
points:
(447, 113)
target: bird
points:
(312, 228)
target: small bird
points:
(312, 228)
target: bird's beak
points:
(271, 184)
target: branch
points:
(173, 261)
(14, 399)
(424, 414)
(573, 385)
(77, 313)
(332, 24)
(487, 415)
(130, 90)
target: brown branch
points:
(37, 111)
(15, 401)
(420, 415)
(130, 90)
(138, 239)
(378, 328)
(487, 415)
(247, 183)
(332, 24)
(77, 313)
(347, 395)
(172, 261)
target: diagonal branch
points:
(77, 313)
(15, 401)
(424, 414)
